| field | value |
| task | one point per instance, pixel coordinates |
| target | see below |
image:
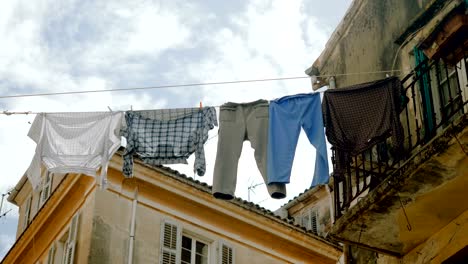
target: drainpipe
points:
(332, 208)
(132, 226)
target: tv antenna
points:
(251, 188)
(1, 205)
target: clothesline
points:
(172, 136)
(8, 113)
(195, 84)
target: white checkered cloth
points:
(74, 143)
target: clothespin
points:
(109, 108)
(6, 112)
(201, 105)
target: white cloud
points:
(165, 31)
(5, 243)
(272, 39)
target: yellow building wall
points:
(105, 216)
(111, 229)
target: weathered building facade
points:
(158, 216)
(406, 208)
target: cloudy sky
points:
(72, 45)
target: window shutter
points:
(226, 254)
(46, 187)
(306, 220)
(50, 256)
(71, 241)
(27, 212)
(314, 221)
(170, 243)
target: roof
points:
(306, 193)
(16, 189)
(253, 207)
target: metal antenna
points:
(251, 189)
(1, 205)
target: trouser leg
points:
(231, 135)
(257, 131)
(313, 126)
(284, 131)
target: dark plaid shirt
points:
(167, 136)
(359, 116)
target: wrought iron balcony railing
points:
(438, 95)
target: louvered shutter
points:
(226, 254)
(306, 220)
(71, 241)
(47, 187)
(314, 221)
(27, 212)
(50, 255)
(170, 243)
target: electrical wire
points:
(188, 85)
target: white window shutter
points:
(46, 187)
(226, 254)
(27, 212)
(170, 243)
(51, 255)
(71, 241)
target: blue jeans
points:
(287, 115)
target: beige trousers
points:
(237, 123)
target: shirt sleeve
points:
(200, 163)
(36, 128)
(209, 122)
(34, 171)
(127, 167)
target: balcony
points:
(391, 203)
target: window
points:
(310, 220)
(194, 251)
(64, 251)
(170, 234)
(27, 212)
(226, 254)
(449, 90)
(71, 241)
(46, 188)
(178, 246)
(50, 255)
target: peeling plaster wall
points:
(111, 228)
(366, 41)
(443, 244)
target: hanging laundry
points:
(240, 122)
(167, 136)
(361, 115)
(287, 115)
(74, 142)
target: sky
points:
(72, 45)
